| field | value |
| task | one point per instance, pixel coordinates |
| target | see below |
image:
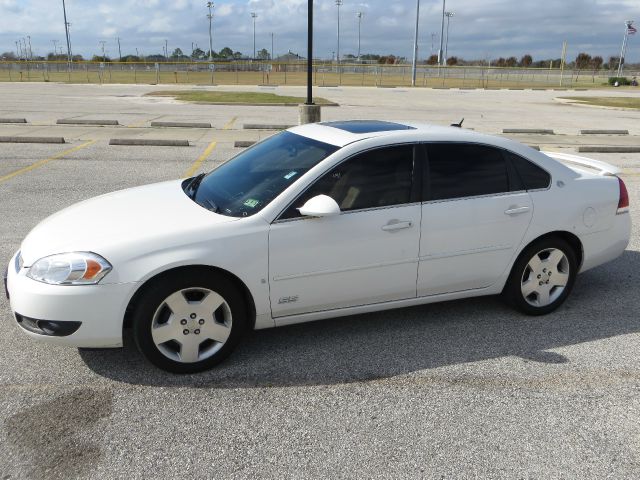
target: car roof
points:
(342, 133)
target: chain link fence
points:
(324, 74)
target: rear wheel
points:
(189, 322)
(542, 277)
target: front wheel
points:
(542, 277)
(190, 322)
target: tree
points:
(511, 62)
(526, 60)
(198, 54)
(613, 62)
(8, 56)
(177, 53)
(226, 52)
(597, 62)
(263, 54)
(583, 60)
(501, 62)
(452, 61)
(100, 58)
(130, 59)
(432, 60)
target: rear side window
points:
(531, 175)
(465, 170)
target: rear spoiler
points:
(602, 168)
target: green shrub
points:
(621, 81)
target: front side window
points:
(465, 170)
(250, 181)
(377, 178)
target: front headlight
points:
(78, 268)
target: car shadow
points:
(374, 346)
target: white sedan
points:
(319, 221)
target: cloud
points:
(489, 28)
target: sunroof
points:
(367, 126)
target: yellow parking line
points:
(230, 124)
(45, 161)
(194, 168)
(201, 159)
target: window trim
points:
(511, 172)
(419, 157)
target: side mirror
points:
(320, 206)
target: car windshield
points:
(250, 181)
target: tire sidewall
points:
(159, 289)
(513, 292)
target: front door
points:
(367, 254)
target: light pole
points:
(166, 49)
(359, 15)
(119, 50)
(66, 28)
(55, 48)
(210, 17)
(414, 68)
(440, 52)
(628, 28)
(102, 42)
(272, 57)
(18, 50)
(433, 41)
(338, 4)
(254, 15)
(30, 51)
(446, 48)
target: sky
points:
(485, 29)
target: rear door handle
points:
(516, 210)
(395, 225)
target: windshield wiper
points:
(194, 184)
(212, 206)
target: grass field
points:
(242, 98)
(623, 102)
(388, 76)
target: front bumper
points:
(99, 309)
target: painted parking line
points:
(198, 163)
(45, 161)
(202, 158)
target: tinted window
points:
(247, 183)
(531, 175)
(367, 126)
(465, 170)
(377, 178)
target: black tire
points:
(512, 292)
(153, 299)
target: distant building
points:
(290, 57)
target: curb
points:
(148, 142)
(32, 140)
(604, 132)
(181, 124)
(71, 121)
(609, 149)
(243, 143)
(13, 120)
(528, 130)
(266, 126)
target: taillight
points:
(623, 202)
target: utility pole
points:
(30, 51)
(272, 57)
(210, 17)
(254, 15)
(102, 42)
(628, 26)
(440, 52)
(119, 50)
(414, 68)
(359, 15)
(66, 28)
(446, 48)
(166, 49)
(55, 47)
(338, 4)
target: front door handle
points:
(395, 225)
(516, 210)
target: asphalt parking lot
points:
(465, 389)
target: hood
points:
(146, 215)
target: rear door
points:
(474, 218)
